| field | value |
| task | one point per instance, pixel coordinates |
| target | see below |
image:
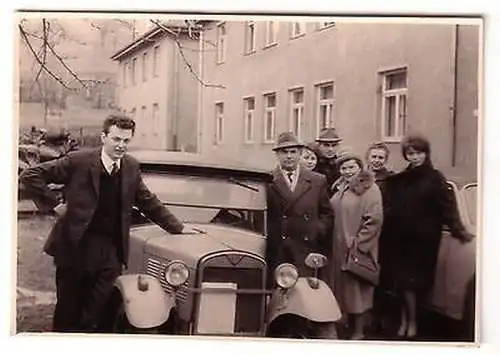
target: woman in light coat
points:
(357, 206)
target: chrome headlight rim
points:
(180, 268)
(282, 282)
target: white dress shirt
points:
(108, 162)
(295, 177)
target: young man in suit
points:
(90, 240)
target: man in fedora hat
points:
(300, 217)
(328, 144)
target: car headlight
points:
(286, 275)
(176, 273)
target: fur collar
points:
(362, 182)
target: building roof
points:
(153, 34)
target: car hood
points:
(191, 247)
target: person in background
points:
(309, 157)
(418, 205)
(377, 157)
(357, 207)
(328, 145)
(90, 239)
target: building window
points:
(250, 37)
(249, 120)
(156, 60)
(324, 112)
(394, 104)
(145, 66)
(325, 24)
(269, 117)
(219, 123)
(124, 74)
(271, 33)
(156, 118)
(221, 43)
(296, 110)
(133, 70)
(297, 29)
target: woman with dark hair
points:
(357, 206)
(418, 205)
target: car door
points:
(456, 265)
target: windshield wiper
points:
(239, 183)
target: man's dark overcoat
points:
(80, 173)
(299, 222)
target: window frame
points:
(133, 71)
(293, 33)
(156, 59)
(250, 50)
(274, 26)
(296, 106)
(221, 42)
(272, 110)
(398, 93)
(219, 123)
(325, 24)
(144, 66)
(328, 102)
(246, 112)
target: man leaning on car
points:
(90, 239)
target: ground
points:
(35, 276)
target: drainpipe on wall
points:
(454, 102)
(175, 113)
(199, 123)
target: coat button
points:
(283, 237)
(284, 217)
(306, 238)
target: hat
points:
(287, 140)
(328, 135)
(346, 155)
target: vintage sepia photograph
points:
(300, 177)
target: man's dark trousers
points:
(85, 285)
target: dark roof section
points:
(151, 35)
(198, 164)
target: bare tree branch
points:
(181, 51)
(64, 64)
(47, 70)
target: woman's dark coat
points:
(417, 205)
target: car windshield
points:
(470, 197)
(233, 202)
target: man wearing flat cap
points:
(328, 144)
(300, 217)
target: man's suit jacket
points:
(299, 222)
(80, 173)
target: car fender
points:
(318, 305)
(146, 308)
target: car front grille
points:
(249, 306)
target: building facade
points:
(156, 86)
(371, 81)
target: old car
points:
(453, 294)
(211, 282)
